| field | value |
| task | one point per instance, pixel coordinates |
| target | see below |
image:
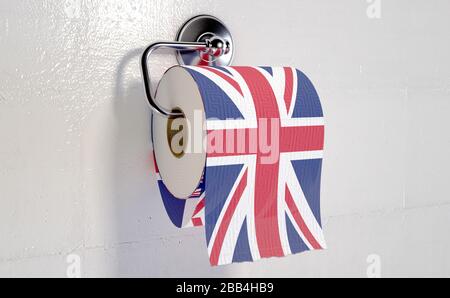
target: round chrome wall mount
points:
(206, 28)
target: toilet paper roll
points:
(244, 160)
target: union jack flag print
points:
(253, 209)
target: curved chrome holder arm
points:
(197, 46)
(209, 43)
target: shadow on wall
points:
(149, 245)
(132, 168)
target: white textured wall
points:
(75, 172)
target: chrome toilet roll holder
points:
(203, 40)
